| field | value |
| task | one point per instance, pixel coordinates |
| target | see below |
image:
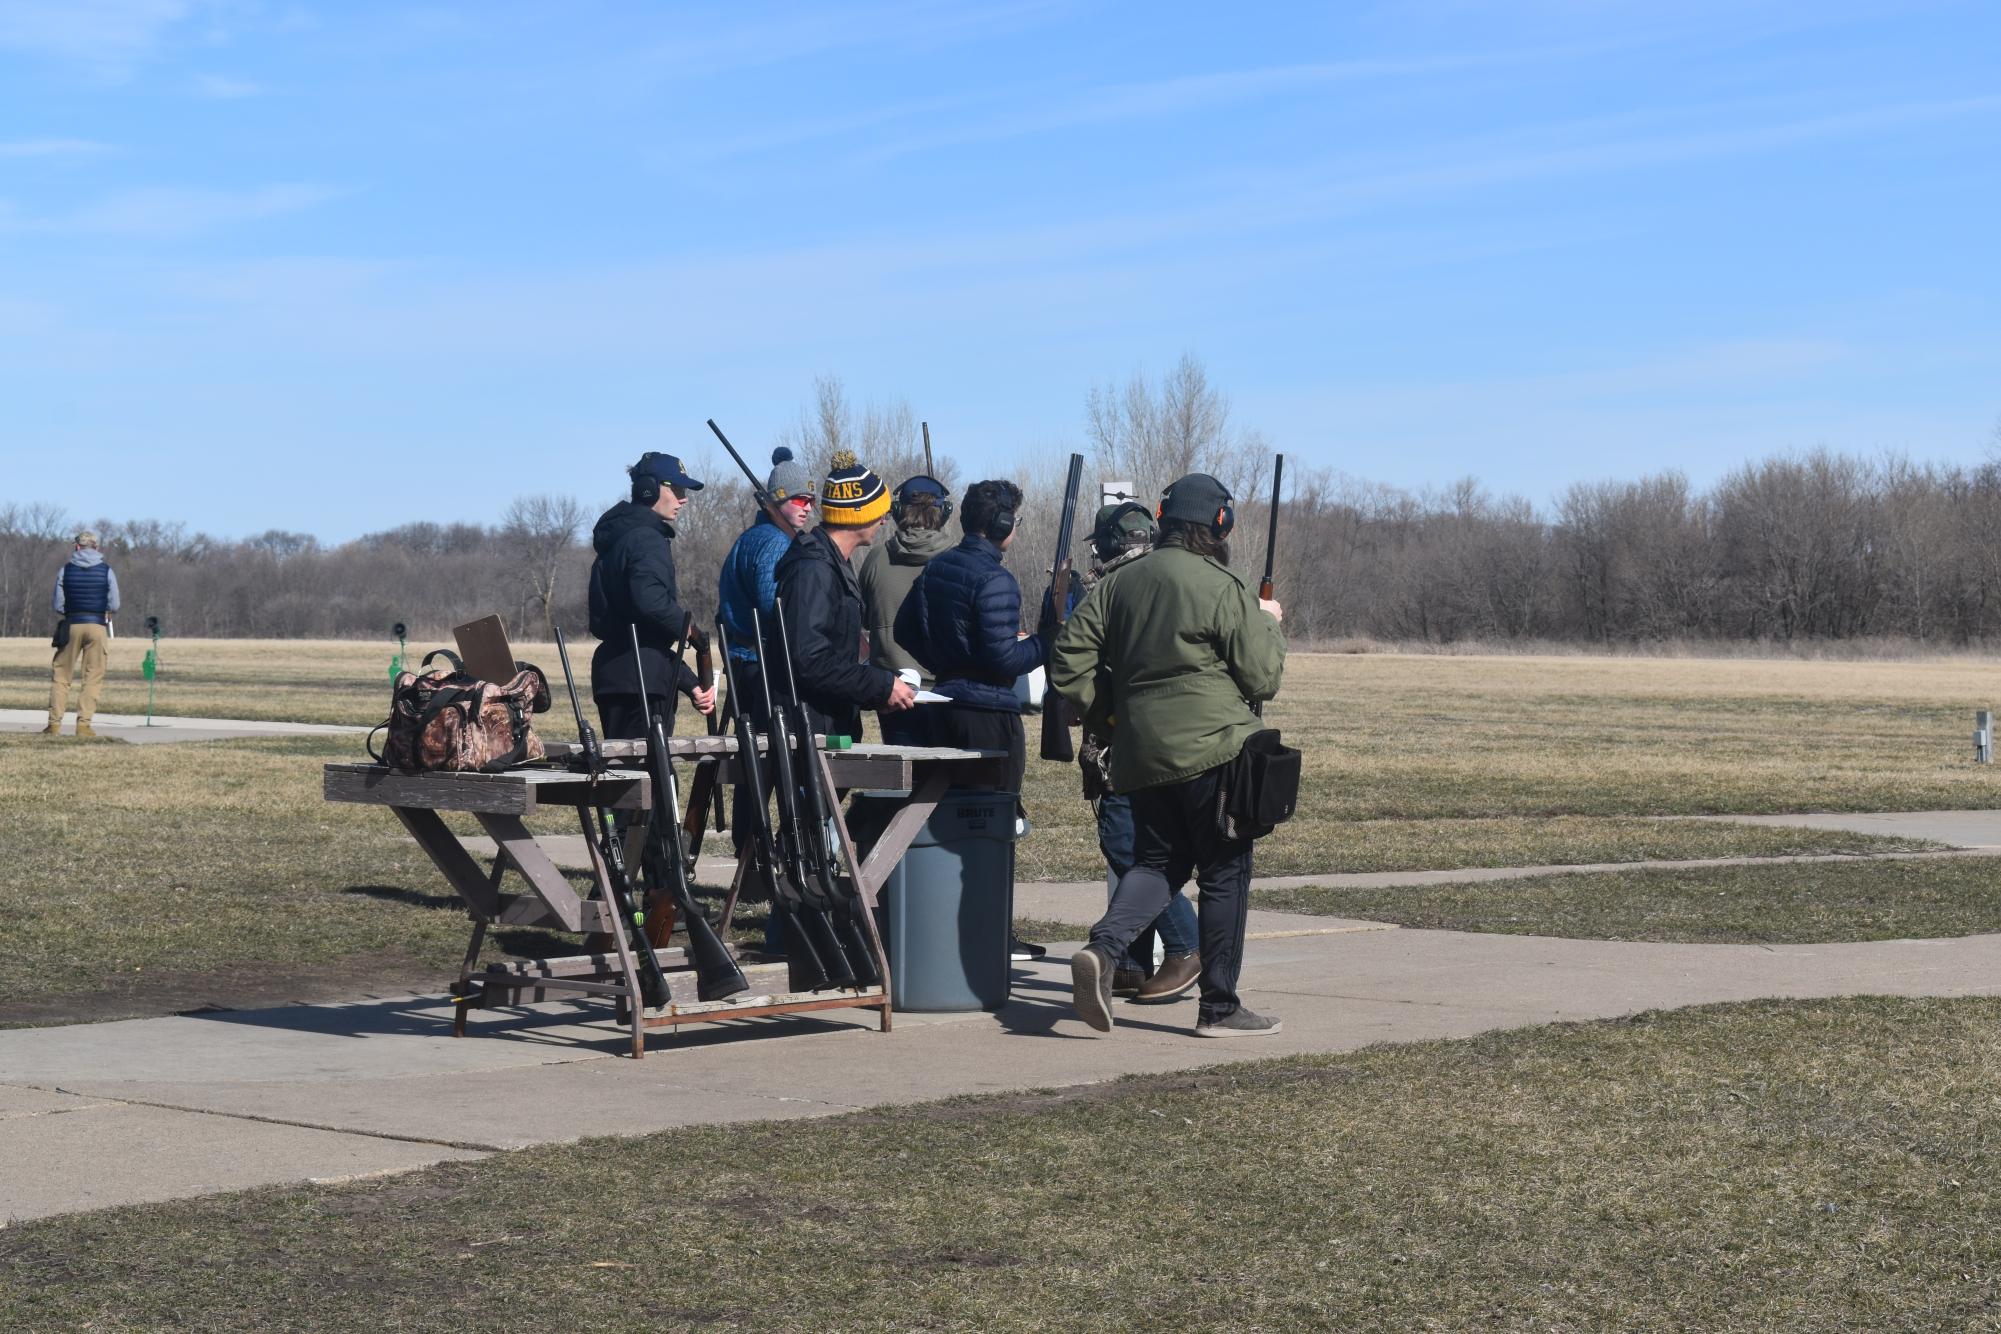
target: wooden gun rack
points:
(498, 802)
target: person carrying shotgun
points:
(1170, 654)
(632, 584)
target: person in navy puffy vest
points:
(86, 596)
(962, 621)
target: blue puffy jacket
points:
(750, 579)
(960, 621)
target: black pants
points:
(624, 718)
(911, 727)
(980, 729)
(1174, 827)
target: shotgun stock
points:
(598, 830)
(716, 973)
(1057, 743)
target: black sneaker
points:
(1020, 950)
(1241, 1024)
(1091, 988)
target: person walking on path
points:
(822, 607)
(1168, 654)
(962, 621)
(86, 597)
(920, 508)
(633, 584)
(1121, 534)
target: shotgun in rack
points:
(609, 857)
(716, 973)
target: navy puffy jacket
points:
(960, 621)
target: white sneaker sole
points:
(1087, 997)
(1218, 1031)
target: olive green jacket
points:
(1167, 652)
(886, 576)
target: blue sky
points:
(332, 267)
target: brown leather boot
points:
(1173, 978)
(85, 729)
(53, 729)
(1127, 981)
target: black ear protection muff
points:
(645, 486)
(1003, 524)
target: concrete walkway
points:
(156, 1109)
(132, 726)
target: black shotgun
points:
(1056, 741)
(795, 837)
(598, 830)
(819, 806)
(1271, 546)
(716, 973)
(805, 969)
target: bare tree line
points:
(1815, 546)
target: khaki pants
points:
(88, 647)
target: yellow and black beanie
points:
(852, 497)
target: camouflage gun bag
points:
(441, 719)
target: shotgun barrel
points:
(806, 970)
(1057, 743)
(717, 975)
(819, 807)
(1271, 528)
(598, 831)
(795, 837)
(756, 487)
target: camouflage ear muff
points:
(1226, 519)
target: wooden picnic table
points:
(500, 801)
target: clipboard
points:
(484, 649)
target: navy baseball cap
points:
(666, 469)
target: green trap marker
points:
(150, 666)
(396, 663)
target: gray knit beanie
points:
(788, 477)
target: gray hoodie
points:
(887, 573)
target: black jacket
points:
(632, 583)
(960, 622)
(822, 603)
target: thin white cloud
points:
(1175, 96)
(819, 29)
(106, 34)
(223, 89)
(30, 148)
(171, 211)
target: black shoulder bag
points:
(1261, 788)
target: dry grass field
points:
(1822, 1165)
(146, 872)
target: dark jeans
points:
(1174, 836)
(1176, 924)
(980, 729)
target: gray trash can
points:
(949, 903)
